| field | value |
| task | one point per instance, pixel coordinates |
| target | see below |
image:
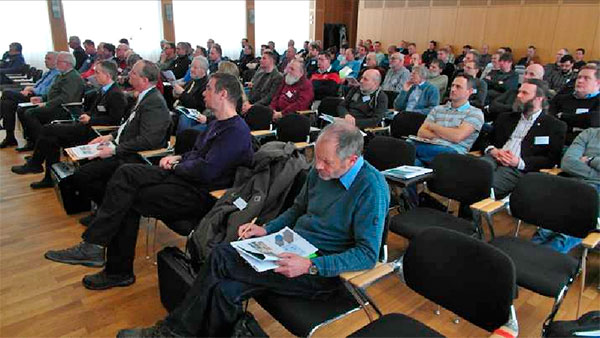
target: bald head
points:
(534, 71)
(370, 81)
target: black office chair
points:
(406, 123)
(384, 152)
(259, 117)
(329, 106)
(461, 178)
(293, 128)
(468, 277)
(559, 204)
(391, 98)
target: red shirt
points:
(289, 99)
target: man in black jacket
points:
(365, 105)
(502, 80)
(108, 109)
(145, 129)
(190, 96)
(504, 102)
(78, 52)
(525, 140)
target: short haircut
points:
(540, 91)
(269, 53)
(110, 68)
(315, 45)
(75, 39)
(217, 47)
(469, 78)
(132, 59)
(16, 46)
(125, 41)
(351, 50)
(110, 47)
(592, 66)
(348, 138)
(325, 54)
(89, 42)
(412, 44)
(345, 45)
(444, 50)
(475, 64)
(581, 50)
(467, 46)
(68, 57)
(506, 57)
(203, 62)
(228, 67)
(434, 43)
(170, 44)
(476, 55)
(438, 62)
(532, 47)
(149, 71)
(229, 83)
(568, 58)
(423, 72)
(300, 63)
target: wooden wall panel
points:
(393, 17)
(470, 25)
(168, 26)
(574, 28)
(501, 25)
(536, 27)
(58, 29)
(336, 11)
(594, 54)
(370, 24)
(442, 25)
(416, 26)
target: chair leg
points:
(154, 242)
(437, 311)
(583, 270)
(148, 225)
(490, 221)
(518, 227)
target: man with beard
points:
(525, 140)
(296, 93)
(563, 80)
(365, 105)
(504, 102)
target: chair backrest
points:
(384, 152)
(463, 178)
(464, 275)
(259, 117)
(293, 128)
(406, 123)
(329, 106)
(391, 95)
(556, 203)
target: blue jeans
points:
(426, 153)
(187, 123)
(555, 240)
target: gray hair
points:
(110, 68)
(203, 62)
(422, 70)
(149, 71)
(349, 139)
(75, 39)
(68, 57)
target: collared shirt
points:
(413, 99)
(350, 175)
(132, 115)
(324, 71)
(43, 85)
(395, 80)
(516, 138)
(107, 87)
(589, 96)
(446, 116)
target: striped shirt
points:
(446, 116)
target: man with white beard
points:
(365, 105)
(295, 93)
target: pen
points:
(246, 230)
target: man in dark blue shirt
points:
(177, 189)
(14, 64)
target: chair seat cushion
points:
(539, 268)
(396, 325)
(411, 223)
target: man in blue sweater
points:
(177, 189)
(341, 210)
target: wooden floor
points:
(42, 298)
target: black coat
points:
(108, 108)
(194, 98)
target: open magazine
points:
(406, 172)
(86, 151)
(189, 112)
(424, 140)
(261, 252)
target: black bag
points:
(175, 276)
(587, 323)
(67, 194)
(247, 326)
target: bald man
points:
(504, 102)
(365, 105)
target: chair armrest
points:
(303, 145)
(306, 112)
(25, 84)
(72, 104)
(260, 133)
(62, 121)
(218, 193)
(591, 240)
(363, 278)
(102, 130)
(155, 152)
(553, 171)
(476, 153)
(377, 129)
(503, 332)
(488, 206)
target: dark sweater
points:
(566, 106)
(368, 110)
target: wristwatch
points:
(313, 271)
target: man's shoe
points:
(27, 147)
(45, 183)
(87, 220)
(83, 253)
(27, 168)
(102, 280)
(158, 330)
(9, 142)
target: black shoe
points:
(102, 280)
(158, 330)
(9, 142)
(83, 253)
(27, 168)
(27, 147)
(87, 220)
(45, 183)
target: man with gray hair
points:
(340, 209)
(78, 52)
(397, 75)
(417, 95)
(190, 96)
(67, 87)
(296, 92)
(365, 105)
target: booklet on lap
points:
(406, 172)
(86, 151)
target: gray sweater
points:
(264, 86)
(587, 143)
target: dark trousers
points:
(135, 190)
(8, 108)
(214, 302)
(35, 118)
(55, 136)
(505, 178)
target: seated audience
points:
(176, 189)
(167, 57)
(361, 56)
(78, 52)
(107, 109)
(453, 127)
(66, 88)
(550, 68)
(378, 50)
(503, 79)
(90, 51)
(340, 210)
(121, 57)
(504, 102)
(246, 57)
(295, 93)
(325, 81)
(444, 56)
(397, 75)
(485, 56)
(311, 60)
(11, 98)
(525, 140)
(271, 46)
(365, 105)
(215, 57)
(430, 53)
(565, 77)
(579, 62)
(350, 61)
(13, 64)
(582, 106)
(417, 94)
(471, 68)
(290, 54)
(411, 49)
(182, 62)
(459, 60)
(493, 65)
(582, 161)
(105, 51)
(415, 60)
(524, 61)
(436, 78)
(243, 50)
(371, 63)
(191, 96)
(265, 83)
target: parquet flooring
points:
(40, 298)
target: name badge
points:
(582, 111)
(394, 81)
(101, 109)
(289, 94)
(541, 140)
(500, 82)
(240, 203)
(474, 90)
(366, 98)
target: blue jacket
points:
(430, 97)
(14, 65)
